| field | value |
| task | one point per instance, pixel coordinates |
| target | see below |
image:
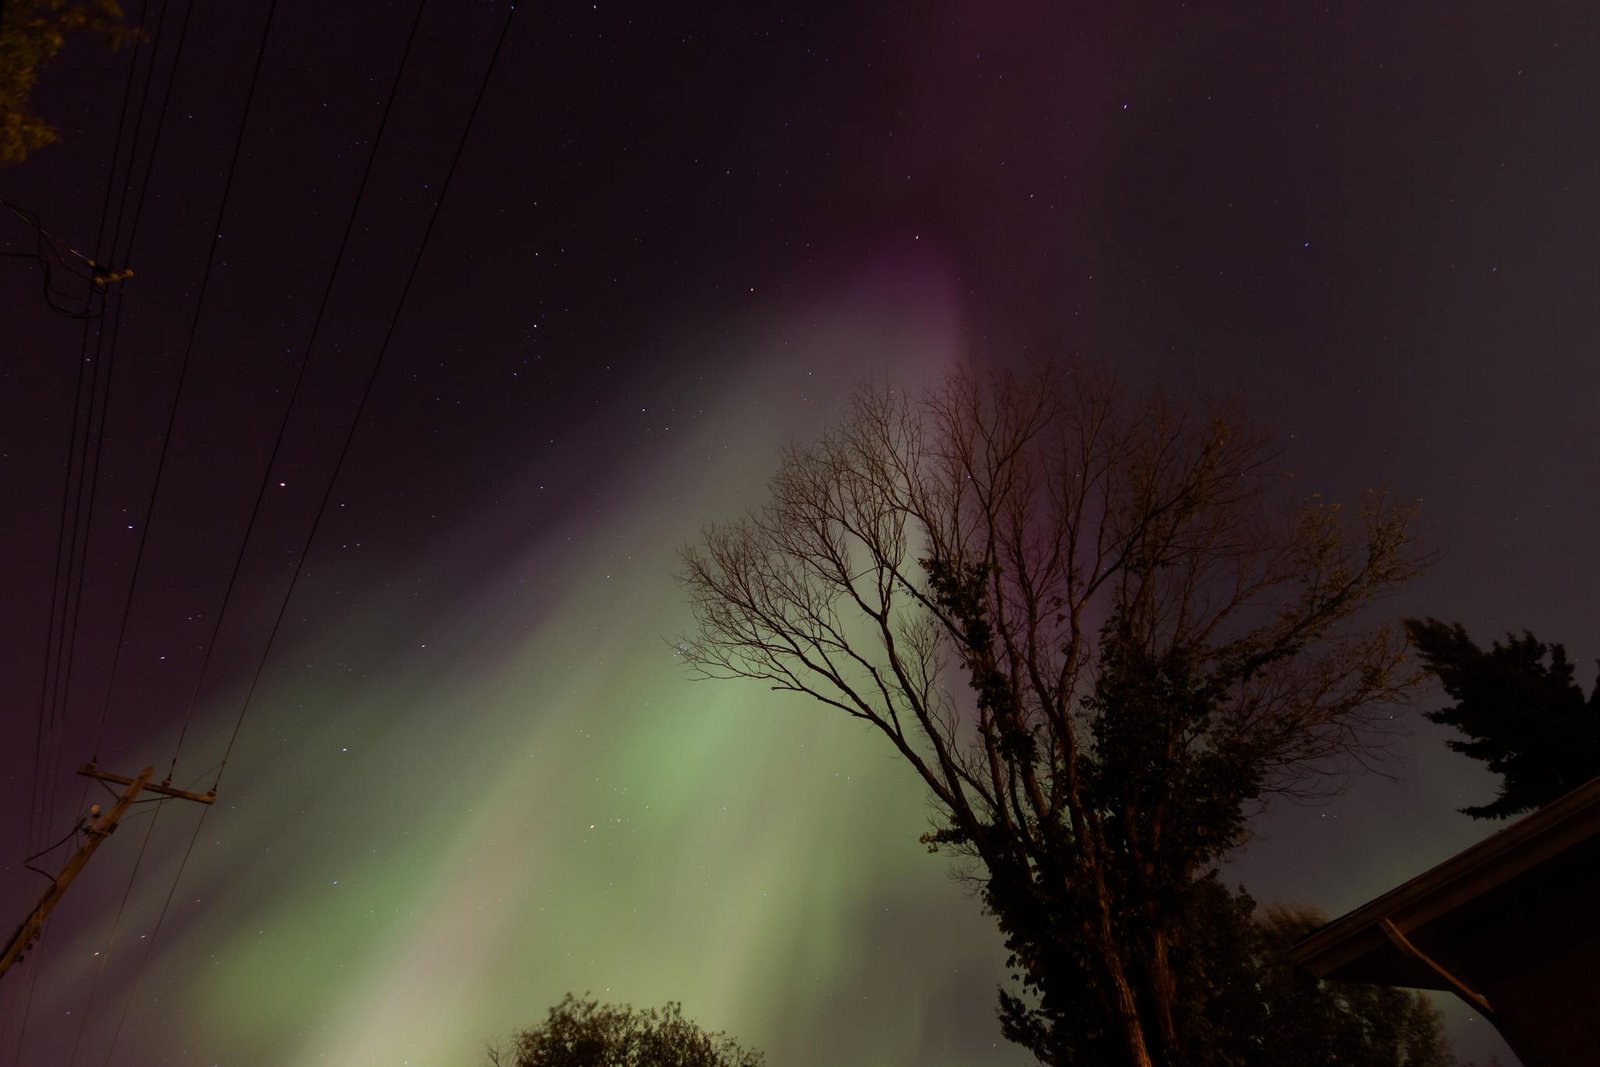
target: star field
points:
(473, 776)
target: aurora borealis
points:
(474, 778)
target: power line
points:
(294, 394)
(116, 925)
(64, 544)
(97, 280)
(78, 558)
(183, 368)
(116, 322)
(88, 475)
(255, 511)
(366, 393)
(100, 389)
(155, 140)
(344, 451)
(244, 123)
(47, 248)
(106, 352)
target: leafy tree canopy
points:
(1305, 1022)
(1520, 709)
(32, 32)
(585, 1033)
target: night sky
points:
(472, 776)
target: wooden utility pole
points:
(96, 828)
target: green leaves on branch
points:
(32, 33)
(585, 1033)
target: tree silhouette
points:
(32, 32)
(585, 1033)
(1153, 639)
(1295, 1020)
(1521, 710)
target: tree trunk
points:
(1122, 999)
(1163, 987)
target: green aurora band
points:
(531, 797)
(437, 823)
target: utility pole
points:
(96, 828)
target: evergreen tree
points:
(1521, 710)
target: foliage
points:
(1303, 1022)
(32, 32)
(1153, 641)
(1262, 1010)
(1521, 711)
(584, 1033)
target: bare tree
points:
(1151, 636)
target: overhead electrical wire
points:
(138, 214)
(66, 535)
(294, 392)
(104, 358)
(116, 924)
(43, 751)
(115, 318)
(165, 108)
(322, 509)
(155, 139)
(366, 393)
(109, 349)
(61, 658)
(48, 247)
(116, 229)
(86, 458)
(64, 542)
(183, 367)
(261, 494)
(96, 280)
(96, 283)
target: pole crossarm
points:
(89, 770)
